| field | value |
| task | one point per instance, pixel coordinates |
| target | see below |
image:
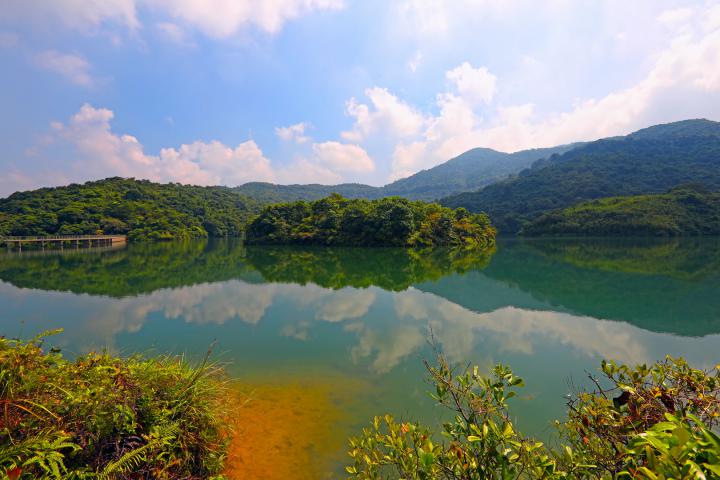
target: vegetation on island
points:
(392, 221)
(103, 417)
(684, 211)
(137, 208)
(648, 422)
(650, 161)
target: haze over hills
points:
(649, 161)
(471, 170)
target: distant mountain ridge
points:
(471, 170)
(649, 161)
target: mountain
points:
(471, 170)
(684, 211)
(138, 208)
(649, 161)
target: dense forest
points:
(392, 221)
(685, 210)
(650, 161)
(138, 208)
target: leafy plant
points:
(105, 417)
(629, 436)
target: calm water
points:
(353, 323)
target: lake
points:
(319, 340)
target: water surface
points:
(346, 330)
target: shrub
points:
(105, 417)
(658, 426)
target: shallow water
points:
(322, 339)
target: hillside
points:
(473, 169)
(394, 221)
(684, 211)
(650, 161)
(138, 208)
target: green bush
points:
(659, 426)
(105, 417)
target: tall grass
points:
(101, 416)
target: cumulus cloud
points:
(343, 157)
(215, 18)
(387, 115)
(89, 149)
(477, 85)
(75, 68)
(223, 18)
(688, 66)
(96, 151)
(293, 133)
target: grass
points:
(101, 416)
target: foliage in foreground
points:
(652, 423)
(104, 417)
(392, 221)
(138, 208)
(684, 211)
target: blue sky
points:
(328, 91)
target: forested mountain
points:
(473, 169)
(684, 211)
(138, 208)
(469, 171)
(650, 161)
(392, 221)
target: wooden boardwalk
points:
(61, 241)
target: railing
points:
(59, 238)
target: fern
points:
(133, 459)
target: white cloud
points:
(88, 149)
(75, 68)
(215, 18)
(213, 163)
(98, 152)
(415, 62)
(78, 14)
(676, 15)
(343, 157)
(303, 170)
(688, 66)
(294, 133)
(477, 85)
(388, 116)
(224, 18)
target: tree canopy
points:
(392, 221)
(138, 208)
(684, 211)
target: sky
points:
(223, 92)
